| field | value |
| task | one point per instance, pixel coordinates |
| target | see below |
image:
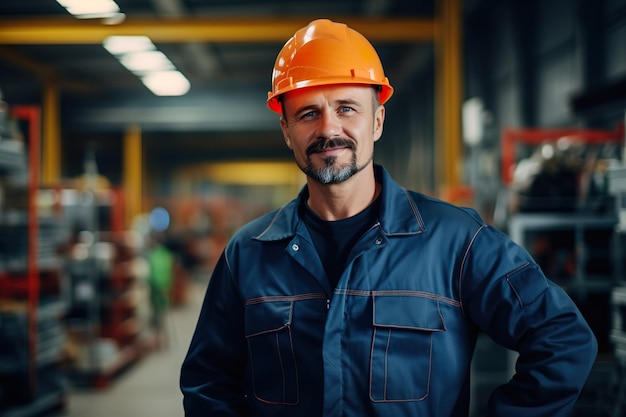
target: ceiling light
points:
(90, 8)
(118, 45)
(141, 57)
(166, 83)
(146, 61)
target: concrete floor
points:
(150, 386)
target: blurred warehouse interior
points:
(516, 108)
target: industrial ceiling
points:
(226, 48)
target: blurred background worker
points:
(161, 262)
(360, 298)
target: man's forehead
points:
(349, 93)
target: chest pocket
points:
(402, 344)
(270, 348)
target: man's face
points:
(332, 129)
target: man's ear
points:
(283, 127)
(379, 121)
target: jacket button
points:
(378, 241)
(295, 247)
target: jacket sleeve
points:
(507, 295)
(212, 372)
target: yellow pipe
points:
(448, 98)
(71, 31)
(132, 173)
(51, 147)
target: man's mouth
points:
(328, 145)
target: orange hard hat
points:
(325, 53)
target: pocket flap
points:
(268, 316)
(406, 311)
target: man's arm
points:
(509, 298)
(212, 373)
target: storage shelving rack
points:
(31, 282)
(107, 317)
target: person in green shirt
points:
(161, 262)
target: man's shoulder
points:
(274, 221)
(433, 207)
(256, 225)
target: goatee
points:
(331, 172)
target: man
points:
(360, 298)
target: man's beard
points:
(331, 172)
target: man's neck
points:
(343, 200)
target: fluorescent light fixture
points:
(141, 57)
(118, 45)
(166, 83)
(146, 61)
(90, 8)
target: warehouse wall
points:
(542, 64)
(529, 60)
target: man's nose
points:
(329, 125)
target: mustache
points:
(322, 144)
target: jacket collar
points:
(398, 215)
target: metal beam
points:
(448, 97)
(132, 173)
(51, 138)
(196, 53)
(51, 31)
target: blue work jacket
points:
(396, 336)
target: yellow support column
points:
(51, 147)
(132, 173)
(448, 98)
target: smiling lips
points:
(329, 145)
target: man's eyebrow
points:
(347, 101)
(306, 108)
(339, 102)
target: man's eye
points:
(308, 114)
(346, 109)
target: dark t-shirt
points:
(334, 239)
